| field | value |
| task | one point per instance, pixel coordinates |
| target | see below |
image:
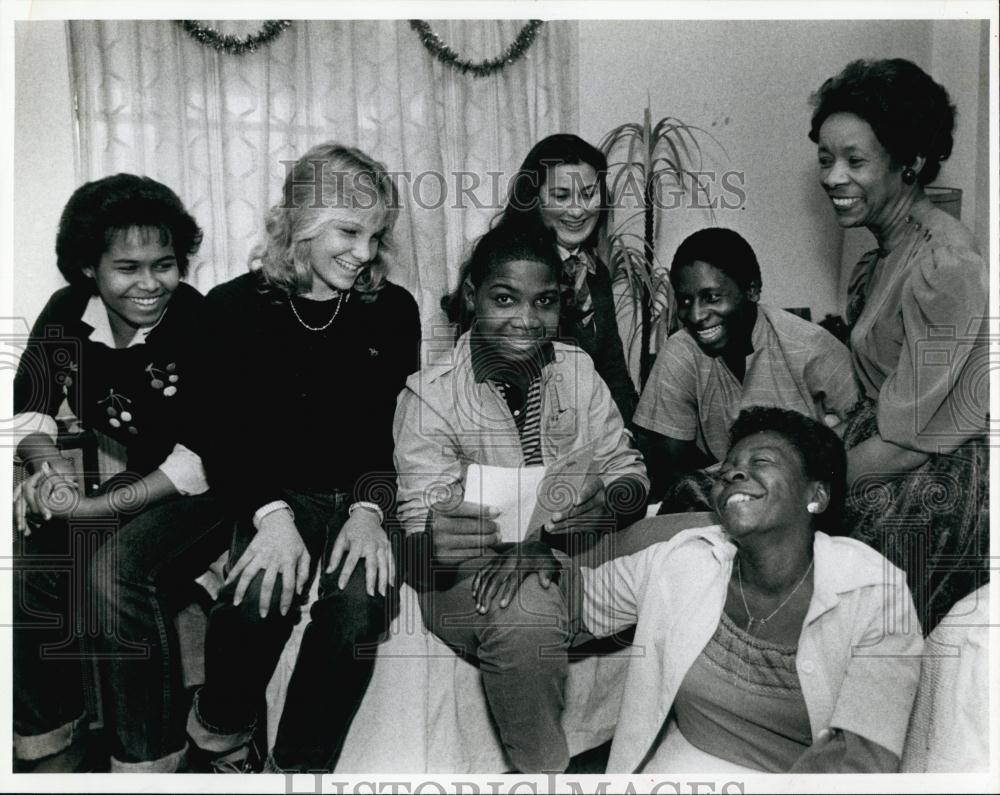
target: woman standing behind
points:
(917, 460)
(308, 354)
(562, 185)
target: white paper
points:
(513, 490)
(528, 496)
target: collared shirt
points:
(526, 410)
(96, 316)
(447, 419)
(525, 404)
(858, 656)
(183, 467)
(794, 364)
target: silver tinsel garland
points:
(446, 55)
(235, 45)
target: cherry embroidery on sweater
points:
(165, 378)
(118, 411)
(65, 377)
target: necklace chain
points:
(341, 299)
(751, 620)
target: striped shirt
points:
(527, 413)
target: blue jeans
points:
(107, 591)
(334, 664)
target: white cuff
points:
(269, 508)
(29, 422)
(184, 469)
(371, 506)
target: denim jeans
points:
(106, 590)
(334, 664)
(522, 655)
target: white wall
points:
(44, 170)
(958, 58)
(748, 83)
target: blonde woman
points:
(308, 353)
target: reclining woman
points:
(119, 344)
(732, 353)
(772, 644)
(509, 396)
(308, 353)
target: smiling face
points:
(762, 486)
(350, 238)
(516, 308)
(714, 309)
(135, 278)
(858, 174)
(570, 203)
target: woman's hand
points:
(589, 508)
(875, 456)
(501, 576)
(362, 538)
(276, 549)
(49, 491)
(52, 491)
(461, 532)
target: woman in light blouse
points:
(917, 458)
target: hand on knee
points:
(254, 605)
(352, 610)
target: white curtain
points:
(216, 127)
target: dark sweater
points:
(140, 396)
(299, 409)
(600, 338)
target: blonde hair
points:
(328, 176)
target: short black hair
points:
(501, 244)
(99, 210)
(821, 450)
(721, 248)
(910, 114)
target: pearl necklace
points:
(751, 620)
(340, 300)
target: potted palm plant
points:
(641, 158)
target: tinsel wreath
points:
(235, 45)
(446, 55)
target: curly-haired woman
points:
(917, 459)
(119, 345)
